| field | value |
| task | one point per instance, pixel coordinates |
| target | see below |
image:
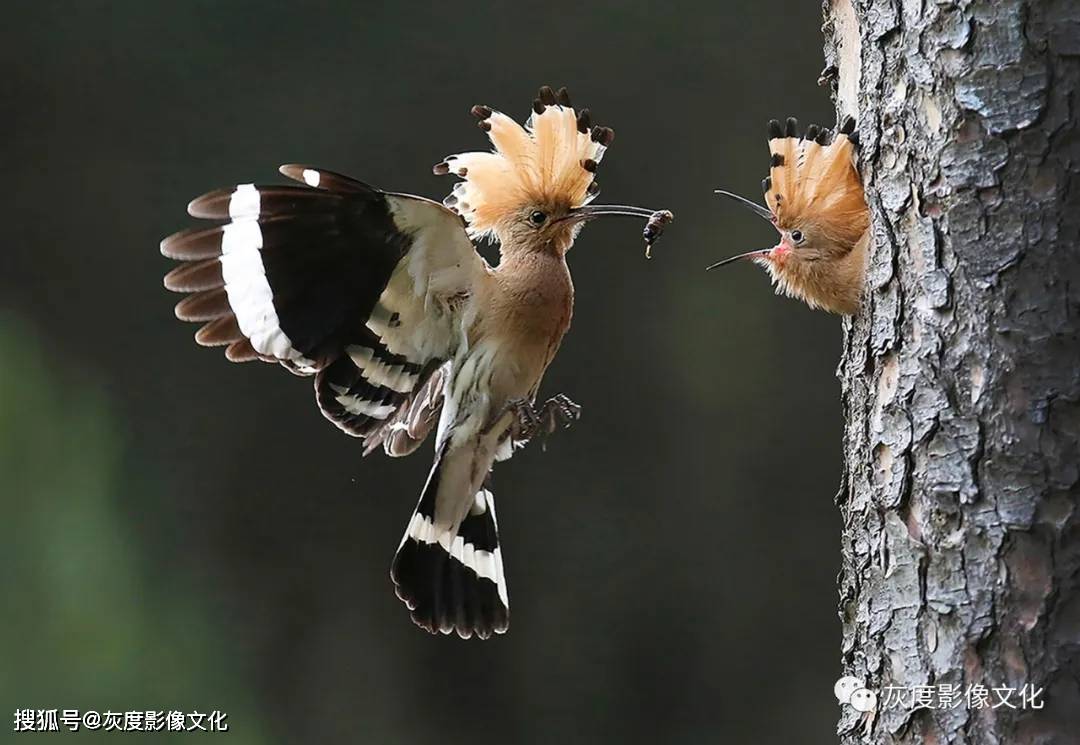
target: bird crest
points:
(551, 160)
(813, 180)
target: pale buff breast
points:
(529, 307)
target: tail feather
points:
(451, 578)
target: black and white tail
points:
(452, 580)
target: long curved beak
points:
(591, 211)
(747, 255)
(757, 209)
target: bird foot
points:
(530, 420)
(558, 412)
(526, 419)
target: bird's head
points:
(814, 199)
(533, 192)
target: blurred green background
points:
(184, 533)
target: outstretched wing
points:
(335, 279)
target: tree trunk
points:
(961, 376)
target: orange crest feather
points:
(550, 161)
(813, 180)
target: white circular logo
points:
(852, 690)
(863, 700)
(847, 686)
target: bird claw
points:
(558, 412)
(526, 419)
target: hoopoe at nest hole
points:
(814, 198)
(383, 298)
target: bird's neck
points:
(513, 258)
(532, 295)
(534, 281)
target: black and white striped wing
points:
(334, 279)
(409, 426)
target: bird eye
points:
(797, 236)
(537, 218)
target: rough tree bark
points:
(961, 376)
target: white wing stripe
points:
(377, 372)
(249, 293)
(244, 202)
(361, 406)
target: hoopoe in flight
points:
(383, 298)
(814, 198)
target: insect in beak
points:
(654, 228)
(757, 209)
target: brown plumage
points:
(815, 200)
(407, 330)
